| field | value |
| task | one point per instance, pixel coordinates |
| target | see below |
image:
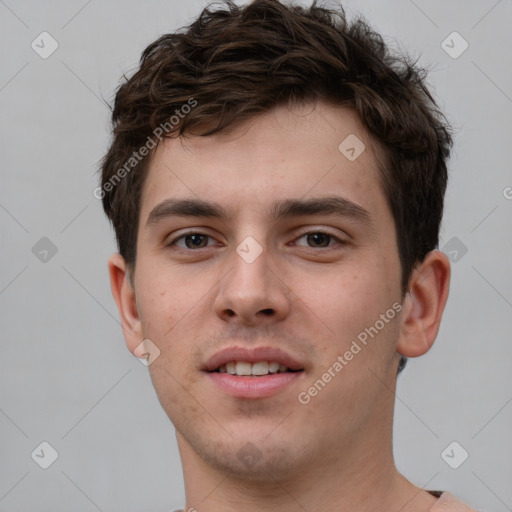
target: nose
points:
(252, 292)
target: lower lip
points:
(254, 387)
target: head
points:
(249, 109)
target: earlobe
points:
(424, 305)
(124, 295)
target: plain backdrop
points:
(66, 376)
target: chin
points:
(254, 462)
(259, 458)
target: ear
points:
(424, 305)
(124, 295)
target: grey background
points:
(66, 376)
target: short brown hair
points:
(237, 62)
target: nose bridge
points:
(251, 288)
(250, 268)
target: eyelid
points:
(321, 229)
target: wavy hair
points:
(238, 62)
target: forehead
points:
(305, 151)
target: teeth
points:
(259, 368)
(243, 368)
(273, 367)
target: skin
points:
(310, 296)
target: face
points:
(284, 253)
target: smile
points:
(245, 368)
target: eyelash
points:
(172, 243)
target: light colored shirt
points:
(448, 503)
(445, 503)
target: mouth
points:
(258, 372)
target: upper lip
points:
(251, 355)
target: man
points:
(276, 184)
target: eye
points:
(319, 239)
(312, 239)
(191, 240)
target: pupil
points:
(196, 240)
(318, 238)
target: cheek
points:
(171, 389)
(160, 306)
(165, 296)
(345, 297)
(363, 324)
(172, 314)
(349, 302)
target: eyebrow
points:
(287, 208)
